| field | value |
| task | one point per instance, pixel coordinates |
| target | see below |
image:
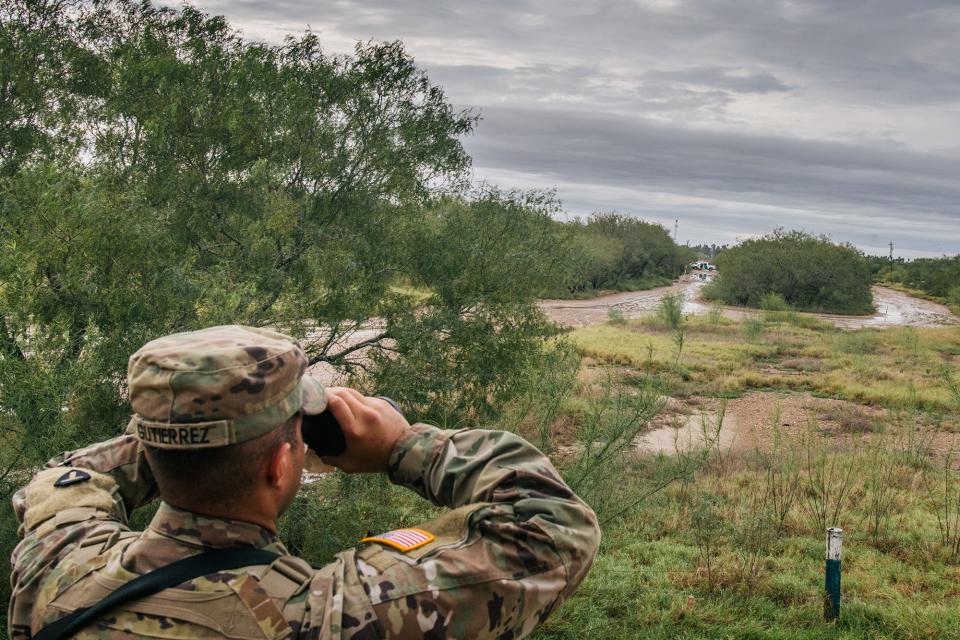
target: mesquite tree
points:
(160, 173)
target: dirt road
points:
(893, 308)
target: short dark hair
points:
(219, 475)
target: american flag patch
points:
(402, 539)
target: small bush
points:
(715, 315)
(670, 311)
(753, 328)
(851, 420)
(828, 480)
(774, 302)
(615, 317)
(945, 496)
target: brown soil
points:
(749, 423)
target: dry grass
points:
(892, 368)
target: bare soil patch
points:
(752, 420)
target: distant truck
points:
(703, 266)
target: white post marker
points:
(831, 601)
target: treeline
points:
(709, 250)
(809, 272)
(935, 277)
(614, 251)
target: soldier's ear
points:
(280, 465)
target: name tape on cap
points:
(215, 434)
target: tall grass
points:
(606, 437)
(828, 479)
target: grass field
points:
(728, 541)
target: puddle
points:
(692, 303)
(691, 434)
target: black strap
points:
(157, 580)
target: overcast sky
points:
(733, 116)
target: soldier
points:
(216, 433)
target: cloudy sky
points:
(732, 116)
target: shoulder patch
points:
(402, 539)
(74, 476)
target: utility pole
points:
(676, 228)
(891, 251)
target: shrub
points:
(670, 311)
(773, 302)
(934, 276)
(611, 250)
(807, 272)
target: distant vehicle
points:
(703, 266)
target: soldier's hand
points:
(371, 428)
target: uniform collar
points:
(194, 529)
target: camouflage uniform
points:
(515, 543)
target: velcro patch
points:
(402, 539)
(74, 476)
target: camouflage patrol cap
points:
(218, 386)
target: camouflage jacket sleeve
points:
(73, 495)
(516, 543)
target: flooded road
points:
(633, 304)
(893, 308)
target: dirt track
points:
(893, 308)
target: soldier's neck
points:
(258, 514)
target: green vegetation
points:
(613, 251)
(810, 274)
(726, 540)
(158, 173)
(936, 278)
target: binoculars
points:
(323, 435)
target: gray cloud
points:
(618, 150)
(734, 115)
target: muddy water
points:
(583, 313)
(893, 308)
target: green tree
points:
(617, 251)
(159, 173)
(485, 259)
(809, 272)
(937, 277)
(201, 179)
